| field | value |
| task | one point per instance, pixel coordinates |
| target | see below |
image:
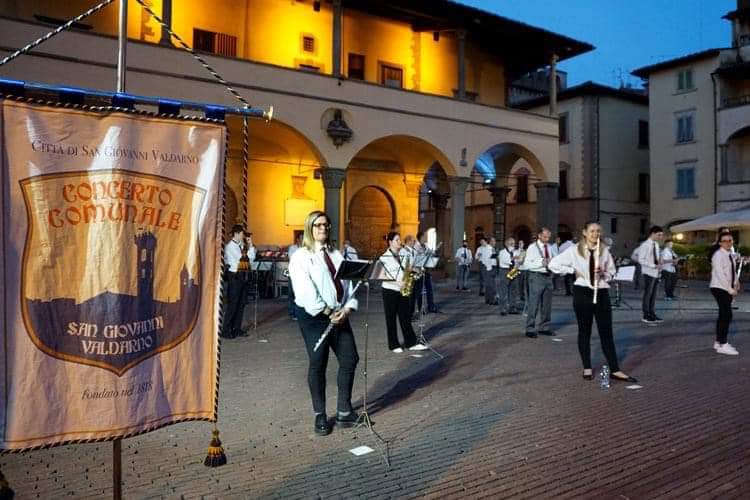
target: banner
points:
(111, 241)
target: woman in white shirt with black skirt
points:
(396, 305)
(724, 287)
(581, 260)
(319, 300)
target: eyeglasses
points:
(322, 225)
(730, 240)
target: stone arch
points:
(522, 232)
(370, 214)
(415, 154)
(497, 161)
(735, 157)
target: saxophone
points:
(513, 273)
(408, 285)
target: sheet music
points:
(625, 273)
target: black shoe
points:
(322, 427)
(466, 289)
(589, 376)
(548, 333)
(457, 288)
(481, 294)
(657, 319)
(531, 335)
(514, 312)
(628, 379)
(348, 420)
(503, 313)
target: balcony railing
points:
(733, 102)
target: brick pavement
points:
(502, 416)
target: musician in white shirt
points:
(463, 261)
(488, 268)
(480, 251)
(592, 272)
(567, 279)
(396, 305)
(290, 304)
(669, 260)
(508, 288)
(234, 250)
(649, 257)
(724, 287)
(321, 299)
(539, 300)
(349, 252)
(421, 248)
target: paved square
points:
(502, 416)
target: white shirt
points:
(313, 285)
(645, 254)
(350, 253)
(463, 256)
(669, 259)
(565, 245)
(505, 256)
(479, 254)
(721, 269)
(534, 260)
(570, 261)
(394, 268)
(292, 248)
(233, 254)
(486, 258)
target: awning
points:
(732, 219)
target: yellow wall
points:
(270, 31)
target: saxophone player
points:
(395, 303)
(508, 282)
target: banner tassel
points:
(216, 456)
(5, 492)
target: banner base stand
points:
(5, 492)
(216, 456)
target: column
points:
(461, 35)
(553, 85)
(338, 12)
(499, 197)
(166, 15)
(458, 206)
(333, 179)
(547, 206)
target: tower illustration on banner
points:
(146, 243)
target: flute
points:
(596, 270)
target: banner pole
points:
(122, 50)
(117, 469)
(122, 46)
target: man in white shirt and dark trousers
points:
(669, 260)
(488, 267)
(481, 250)
(463, 262)
(539, 300)
(724, 287)
(650, 261)
(236, 284)
(507, 288)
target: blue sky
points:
(627, 34)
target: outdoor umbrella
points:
(732, 219)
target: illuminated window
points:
(356, 67)
(308, 43)
(391, 76)
(215, 43)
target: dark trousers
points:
(670, 282)
(724, 300)
(341, 341)
(568, 281)
(490, 285)
(236, 288)
(415, 299)
(396, 305)
(649, 296)
(507, 292)
(427, 280)
(481, 279)
(538, 302)
(637, 276)
(290, 305)
(586, 311)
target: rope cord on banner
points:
(56, 31)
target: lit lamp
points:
(679, 236)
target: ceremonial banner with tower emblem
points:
(111, 240)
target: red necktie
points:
(337, 283)
(546, 252)
(592, 268)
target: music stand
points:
(428, 261)
(376, 273)
(626, 274)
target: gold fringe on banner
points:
(5, 492)
(216, 456)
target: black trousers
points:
(586, 311)
(341, 341)
(415, 299)
(236, 289)
(724, 300)
(649, 296)
(398, 306)
(670, 282)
